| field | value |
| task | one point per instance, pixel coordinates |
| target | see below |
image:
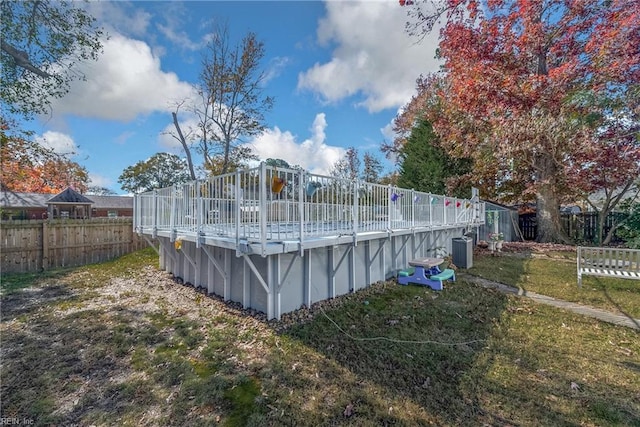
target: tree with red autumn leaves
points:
(28, 167)
(543, 95)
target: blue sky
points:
(339, 72)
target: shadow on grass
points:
(411, 356)
(615, 303)
(410, 346)
(24, 302)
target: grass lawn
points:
(121, 344)
(555, 276)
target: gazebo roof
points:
(70, 196)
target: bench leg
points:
(579, 279)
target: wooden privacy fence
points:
(32, 246)
(580, 227)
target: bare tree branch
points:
(183, 141)
(22, 60)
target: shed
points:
(69, 204)
(501, 218)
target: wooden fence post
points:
(45, 245)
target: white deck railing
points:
(249, 205)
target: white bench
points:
(608, 262)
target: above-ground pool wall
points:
(281, 283)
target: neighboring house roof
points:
(492, 206)
(113, 202)
(70, 196)
(9, 199)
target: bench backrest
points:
(609, 259)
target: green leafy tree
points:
(239, 158)
(41, 44)
(425, 166)
(159, 171)
(96, 190)
(629, 228)
(278, 163)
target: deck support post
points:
(352, 269)
(163, 257)
(370, 259)
(246, 286)
(223, 271)
(420, 244)
(331, 270)
(306, 262)
(279, 279)
(396, 252)
(266, 286)
(274, 282)
(367, 262)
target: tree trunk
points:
(225, 162)
(184, 145)
(547, 203)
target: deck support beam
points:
(266, 285)
(333, 269)
(279, 281)
(223, 271)
(306, 262)
(396, 252)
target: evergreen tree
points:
(424, 166)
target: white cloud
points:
(313, 154)
(124, 137)
(175, 17)
(96, 180)
(387, 132)
(375, 58)
(121, 16)
(125, 82)
(60, 143)
(275, 68)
